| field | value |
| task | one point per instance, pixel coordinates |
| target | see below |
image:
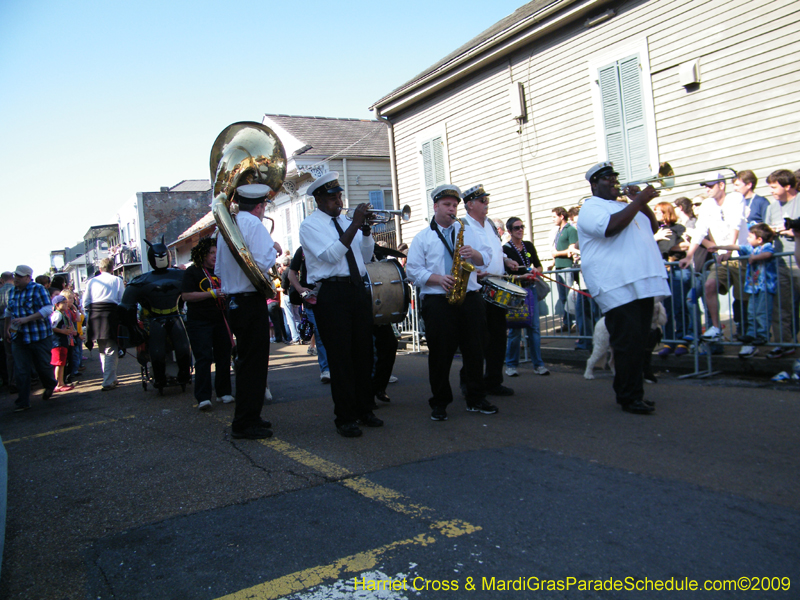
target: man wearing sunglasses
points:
(476, 203)
(624, 272)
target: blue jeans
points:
(759, 314)
(679, 313)
(534, 341)
(30, 357)
(587, 313)
(289, 318)
(322, 356)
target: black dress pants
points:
(497, 337)
(629, 329)
(249, 320)
(448, 328)
(343, 313)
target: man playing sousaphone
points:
(450, 325)
(247, 311)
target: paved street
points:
(128, 494)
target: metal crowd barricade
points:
(785, 304)
(410, 326)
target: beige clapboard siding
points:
(558, 142)
(698, 37)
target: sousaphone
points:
(244, 153)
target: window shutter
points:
(624, 118)
(376, 199)
(612, 118)
(433, 167)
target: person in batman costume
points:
(158, 292)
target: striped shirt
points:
(23, 303)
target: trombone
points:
(374, 217)
(666, 178)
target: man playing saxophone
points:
(450, 325)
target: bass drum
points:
(504, 294)
(390, 292)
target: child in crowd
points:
(760, 283)
(62, 335)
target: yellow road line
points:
(356, 563)
(64, 430)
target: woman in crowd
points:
(524, 254)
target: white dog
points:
(602, 347)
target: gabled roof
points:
(192, 185)
(325, 136)
(523, 18)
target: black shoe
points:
(650, 377)
(382, 397)
(21, 407)
(500, 390)
(483, 407)
(640, 407)
(348, 430)
(370, 420)
(438, 414)
(47, 394)
(649, 402)
(266, 424)
(255, 432)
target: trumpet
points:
(375, 217)
(666, 179)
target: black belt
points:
(341, 279)
(246, 294)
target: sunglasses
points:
(518, 228)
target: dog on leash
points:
(602, 350)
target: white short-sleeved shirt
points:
(491, 249)
(259, 242)
(621, 268)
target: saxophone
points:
(460, 272)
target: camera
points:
(793, 224)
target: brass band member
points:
(247, 311)
(336, 251)
(450, 326)
(476, 202)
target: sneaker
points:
(782, 376)
(511, 372)
(325, 377)
(312, 351)
(665, 352)
(780, 352)
(204, 405)
(392, 379)
(439, 414)
(267, 395)
(712, 333)
(541, 370)
(650, 377)
(681, 349)
(748, 351)
(64, 388)
(483, 407)
(226, 399)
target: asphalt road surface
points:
(128, 494)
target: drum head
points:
(390, 293)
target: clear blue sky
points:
(100, 100)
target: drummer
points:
(336, 250)
(476, 203)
